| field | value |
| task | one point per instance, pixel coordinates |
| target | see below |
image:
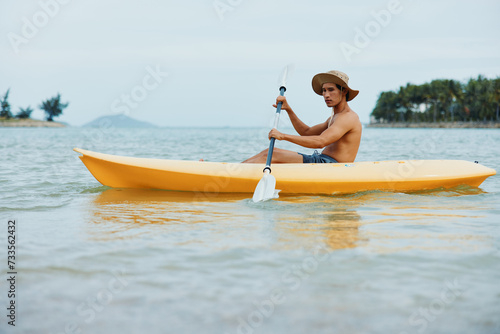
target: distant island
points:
(441, 103)
(118, 121)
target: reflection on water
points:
(129, 213)
(342, 229)
(451, 192)
(115, 195)
(300, 222)
(329, 218)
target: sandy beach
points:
(30, 123)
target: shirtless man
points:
(339, 135)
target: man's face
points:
(331, 94)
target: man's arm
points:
(330, 135)
(299, 126)
(303, 129)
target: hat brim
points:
(322, 78)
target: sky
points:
(217, 63)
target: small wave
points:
(34, 208)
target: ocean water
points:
(91, 259)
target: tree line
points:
(441, 100)
(52, 107)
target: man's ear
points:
(345, 91)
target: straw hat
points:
(335, 77)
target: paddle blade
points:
(286, 73)
(265, 189)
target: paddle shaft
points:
(271, 144)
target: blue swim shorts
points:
(317, 158)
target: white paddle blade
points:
(286, 73)
(265, 189)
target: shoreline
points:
(440, 125)
(29, 123)
(34, 123)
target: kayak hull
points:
(216, 177)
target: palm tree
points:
(441, 99)
(492, 98)
(482, 98)
(496, 96)
(425, 93)
(53, 107)
(386, 107)
(415, 98)
(470, 100)
(5, 106)
(402, 101)
(455, 92)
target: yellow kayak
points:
(217, 177)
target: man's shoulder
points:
(352, 113)
(349, 116)
(350, 121)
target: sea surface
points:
(91, 259)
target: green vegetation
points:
(445, 100)
(5, 106)
(53, 107)
(24, 113)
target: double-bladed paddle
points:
(265, 189)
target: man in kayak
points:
(339, 135)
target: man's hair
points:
(341, 88)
